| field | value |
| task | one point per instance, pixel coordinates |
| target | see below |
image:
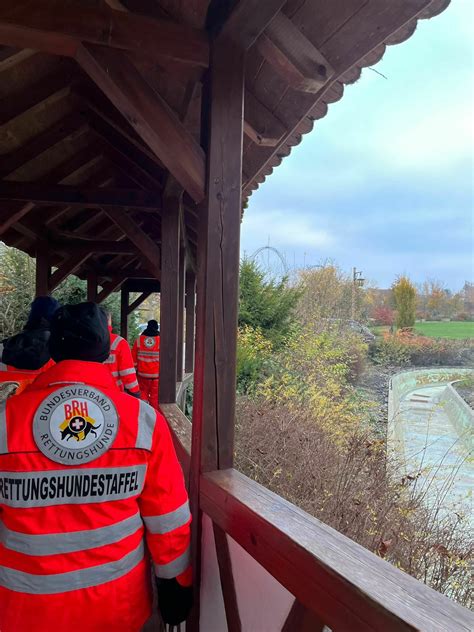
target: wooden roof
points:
(100, 103)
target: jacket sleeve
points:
(164, 508)
(126, 369)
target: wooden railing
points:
(346, 586)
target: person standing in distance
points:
(146, 356)
(120, 362)
(87, 473)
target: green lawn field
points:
(454, 330)
(446, 330)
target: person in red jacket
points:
(26, 354)
(120, 363)
(146, 356)
(87, 473)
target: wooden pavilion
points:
(130, 133)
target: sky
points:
(385, 181)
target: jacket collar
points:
(75, 371)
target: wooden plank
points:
(12, 56)
(69, 266)
(141, 284)
(56, 27)
(16, 211)
(260, 124)
(226, 575)
(150, 116)
(293, 56)
(190, 286)
(137, 236)
(98, 246)
(78, 196)
(345, 585)
(138, 301)
(124, 313)
(43, 270)
(181, 432)
(218, 263)
(170, 242)
(247, 21)
(180, 340)
(302, 619)
(56, 133)
(18, 103)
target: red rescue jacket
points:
(146, 355)
(120, 364)
(86, 473)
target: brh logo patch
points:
(149, 342)
(75, 424)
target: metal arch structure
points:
(285, 270)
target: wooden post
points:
(43, 270)
(179, 358)
(190, 312)
(92, 286)
(218, 264)
(169, 297)
(124, 313)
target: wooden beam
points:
(170, 242)
(43, 270)
(149, 114)
(180, 339)
(59, 28)
(261, 125)
(109, 287)
(224, 561)
(16, 211)
(17, 103)
(92, 286)
(138, 301)
(142, 285)
(190, 302)
(218, 264)
(137, 236)
(93, 246)
(55, 133)
(10, 57)
(124, 313)
(248, 20)
(65, 269)
(293, 56)
(302, 619)
(78, 196)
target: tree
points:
(266, 305)
(326, 294)
(404, 293)
(384, 315)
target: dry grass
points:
(351, 488)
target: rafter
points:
(137, 236)
(92, 246)
(78, 196)
(247, 21)
(55, 133)
(69, 266)
(59, 28)
(10, 57)
(150, 116)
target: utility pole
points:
(357, 281)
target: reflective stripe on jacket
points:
(146, 355)
(120, 364)
(86, 473)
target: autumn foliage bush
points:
(405, 348)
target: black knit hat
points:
(80, 332)
(152, 329)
